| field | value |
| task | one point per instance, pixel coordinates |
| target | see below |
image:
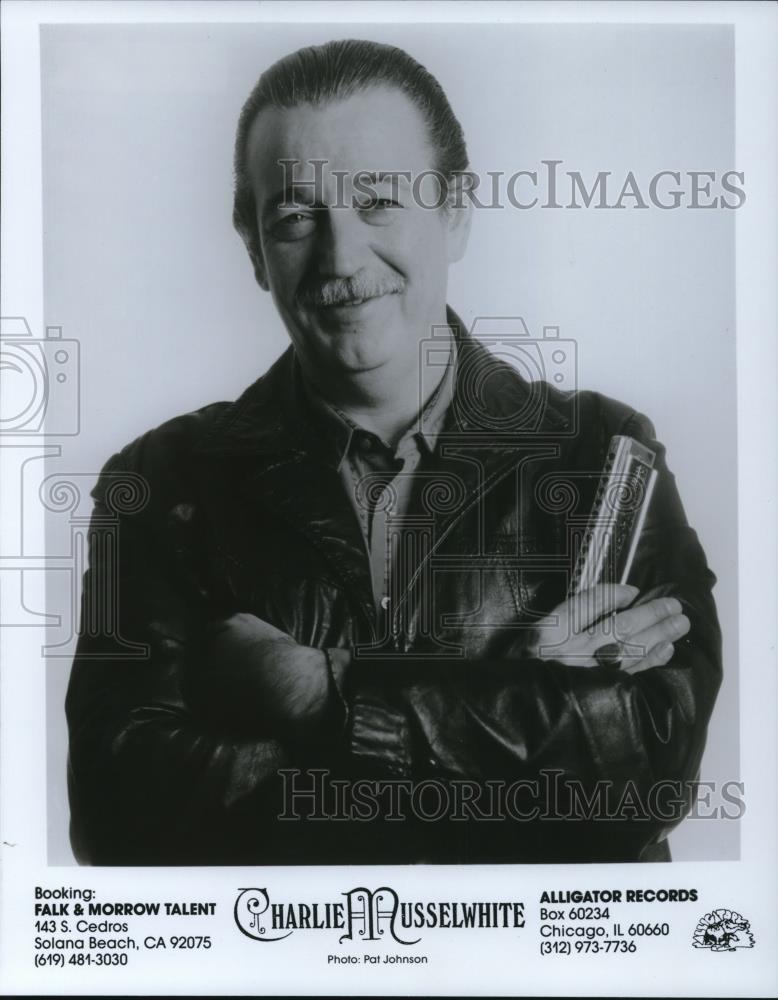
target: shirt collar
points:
(339, 431)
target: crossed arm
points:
(150, 754)
(301, 691)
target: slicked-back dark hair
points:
(337, 70)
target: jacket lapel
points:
(268, 451)
(487, 437)
(489, 433)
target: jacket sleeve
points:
(513, 719)
(153, 778)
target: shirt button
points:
(385, 602)
(365, 444)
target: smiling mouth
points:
(357, 303)
(353, 303)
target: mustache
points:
(340, 291)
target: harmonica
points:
(618, 514)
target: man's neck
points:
(386, 401)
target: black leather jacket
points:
(228, 509)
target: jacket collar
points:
(492, 403)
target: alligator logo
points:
(723, 930)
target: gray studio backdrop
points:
(142, 266)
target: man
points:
(351, 583)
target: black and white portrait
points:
(365, 315)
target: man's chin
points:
(356, 348)
(352, 317)
(356, 356)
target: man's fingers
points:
(668, 630)
(581, 647)
(657, 657)
(584, 623)
(576, 629)
(563, 653)
(596, 602)
(635, 620)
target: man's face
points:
(359, 277)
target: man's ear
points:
(459, 216)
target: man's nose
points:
(341, 243)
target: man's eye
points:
(294, 225)
(372, 204)
(377, 211)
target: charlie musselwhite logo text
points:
(368, 915)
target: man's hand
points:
(289, 683)
(640, 637)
